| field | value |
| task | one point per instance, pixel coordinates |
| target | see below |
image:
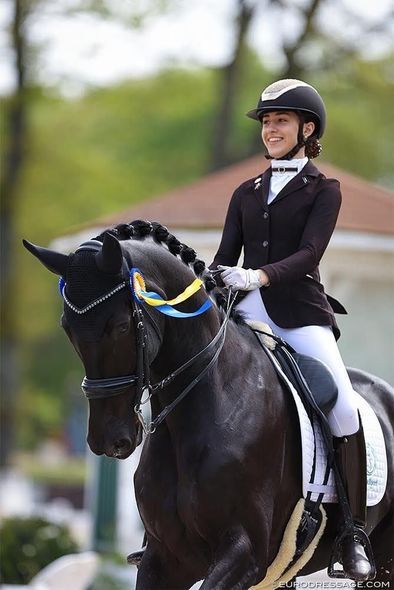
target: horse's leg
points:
(158, 571)
(234, 566)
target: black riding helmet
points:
(292, 95)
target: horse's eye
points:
(123, 328)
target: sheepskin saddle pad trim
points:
(263, 333)
(279, 572)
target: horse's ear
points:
(110, 257)
(53, 261)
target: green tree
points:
(16, 130)
(311, 51)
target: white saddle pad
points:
(375, 446)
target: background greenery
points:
(30, 544)
(113, 147)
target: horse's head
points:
(118, 339)
(98, 319)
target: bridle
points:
(113, 386)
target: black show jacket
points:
(286, 239)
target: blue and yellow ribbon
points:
(153, 299)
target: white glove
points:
(240, 278)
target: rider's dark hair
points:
(313, 146)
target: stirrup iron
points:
(336, 555)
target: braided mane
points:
(140, 229)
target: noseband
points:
(100, 388)
(113, 386)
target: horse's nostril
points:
(122, 448)
(123, 444)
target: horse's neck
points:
(182, 340)
(240, 357)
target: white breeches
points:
(319, 342)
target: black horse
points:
(220, 472)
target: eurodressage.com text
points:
(334, 584)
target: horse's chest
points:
(164, 496)
(168, 495)
(188, 502)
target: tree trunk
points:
(221, 152)
(293, 68)
(12, 165)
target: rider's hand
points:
(241, 278)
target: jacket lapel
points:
(262, 188)
(299, 181)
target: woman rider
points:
(284, 220)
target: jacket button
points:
(265, 243)
(265, 215)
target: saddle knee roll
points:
(320, 381)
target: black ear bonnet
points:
(84, 283)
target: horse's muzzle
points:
(120, 448)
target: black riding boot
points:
(351, 459)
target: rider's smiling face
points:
(279, 133)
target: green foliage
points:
(52, 376)
(113, 148)
(358, 97)
(28, 545)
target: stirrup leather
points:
(336, 556)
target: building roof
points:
(366, 207)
